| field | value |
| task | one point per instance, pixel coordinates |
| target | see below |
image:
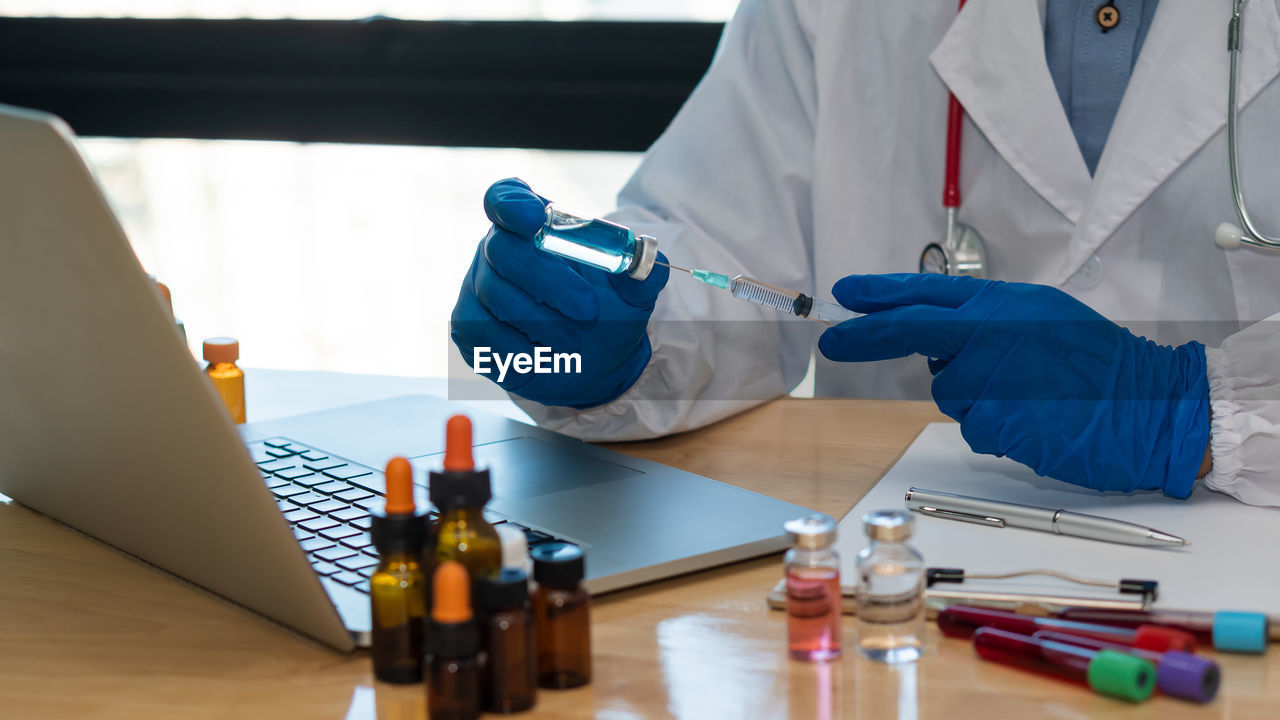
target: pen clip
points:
(962, 516)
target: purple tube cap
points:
(1187, 676)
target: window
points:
(323, 256)
(703, 10)
(330, 256)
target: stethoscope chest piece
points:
(961, 252)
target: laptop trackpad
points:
(524, 467)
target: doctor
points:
(1094, 166)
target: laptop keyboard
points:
(327, 500)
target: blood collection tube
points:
(228, 379)
(1107, 672)
(1178, 674)
(397, 588)
(1228, 631)
(453, 666)
(962, 621)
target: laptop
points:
(107, 425)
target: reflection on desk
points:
(88, 632)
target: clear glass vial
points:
(598, 243)
(813, 590)
(890, 589)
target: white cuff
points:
(1245, 429)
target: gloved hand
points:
(516, 297)
(1035, 375)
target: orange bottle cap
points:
(399, 477)
(221, 350)
(457, 448)
(168, 297)
(452, 589)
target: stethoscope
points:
(1230, 236)
(962, 251)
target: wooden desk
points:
(86, 632)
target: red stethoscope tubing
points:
(955, 116)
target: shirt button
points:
(1108, 16)
(1089, 275)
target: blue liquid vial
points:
(598, 243)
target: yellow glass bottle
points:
(459, 491)
(228, 379)
(398, 587)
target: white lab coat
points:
(814, 149)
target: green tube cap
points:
(1123, 676)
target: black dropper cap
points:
(459, 484)
(558, 564)
(508, 590)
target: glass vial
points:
(813, 590)
(890, 589)
(228, 379)
(453, 665)
(459, 491)
(507, 636)
(598, 243)
(561, 609)
(398, 586)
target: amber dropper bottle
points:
(510, 644)
(398, 587)
(453, 669)
(460, 492)
(228, 379)
(561, 609)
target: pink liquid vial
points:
(813, 590)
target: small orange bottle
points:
(228, 379)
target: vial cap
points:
(457, 438)
(1187, 676)
(452, 593)
(811, 532)
(507, 590)
(1121, 675)
(558, 564)
(646, 252)
(459, 484)
(221, 350)
(515, 546)
(1163, 639)
(1240, 631)
(399, 480)
(164, 293)
(888, 525)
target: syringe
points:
(780, 299)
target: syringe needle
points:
(673, 267)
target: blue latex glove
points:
(516, 297)
(1035, 375)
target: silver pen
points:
(995, 513)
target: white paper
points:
(1230, 564)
